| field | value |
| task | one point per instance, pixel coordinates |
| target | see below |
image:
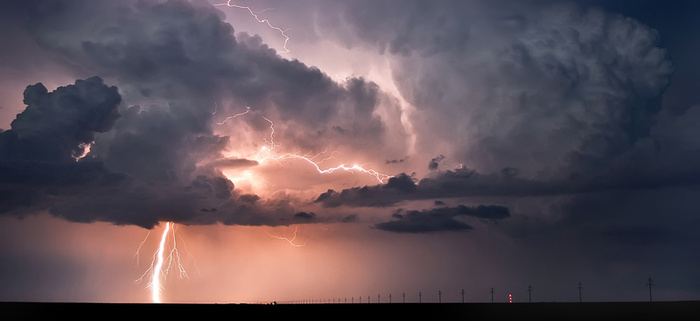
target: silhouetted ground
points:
(683, 310)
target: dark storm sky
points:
(561, 126)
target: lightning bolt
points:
(380, 177)
(138, 251)
(264, 21)
(161, 264)
(232, 117)
(267, 153)
(290, 241)
(155, 280)
(267, 150)
(344, 167)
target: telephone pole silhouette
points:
(529, 293)
(419, 297)
(580, 287)
(650, 284)
(439, 296)
(491, 294)
(462, 295)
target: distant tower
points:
(419, 297)
(650, 284)
(439, 296)
(462, 295)
(403, 296)
(491, 294)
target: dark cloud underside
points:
(153, 151)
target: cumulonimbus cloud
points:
(156, 150)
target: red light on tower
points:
(510, 298)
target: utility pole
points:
(529, 293)
(491, 294)
(462, 295)
(580, 287)
(389, 297)
(419, 297)
(439, 296)
(403, 296)
(378, 298)
(650, 284)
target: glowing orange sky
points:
(548, 240)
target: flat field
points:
(675, 310)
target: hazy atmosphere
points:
(349, 150)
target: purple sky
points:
(337, 150)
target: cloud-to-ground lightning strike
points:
(265, 21)
(159, 269)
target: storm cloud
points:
(440, 219)
(152, 143)
(544, 86)
(543, 141)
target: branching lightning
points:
(267, 153)
(161, 264)
(163, 259)
(265, 21)
(290, 241)
(234, 116)
(343, 167)
(138, 251)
